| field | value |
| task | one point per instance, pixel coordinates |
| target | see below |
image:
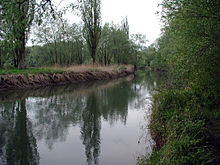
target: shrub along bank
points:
(185, 120)
(185, 132)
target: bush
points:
(178, 126)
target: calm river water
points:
(91, 123)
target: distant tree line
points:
(56, 41)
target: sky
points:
(142, 17)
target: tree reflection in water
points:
(90, 129)
(20, 144)
(55, 109)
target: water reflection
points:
(90, 129)
(18, 144)
(47, 114)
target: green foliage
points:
(122, 68)
(63, 44)
(58, 42)
(91, 16)
(185, 114)
(115, 45)
(16, 18)
(151, 54)
(179, 129)
(161, 55)
(125, 26)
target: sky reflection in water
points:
(92, 123)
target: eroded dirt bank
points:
(36, 80)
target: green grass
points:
(29, 71)
(122, 68)
(185, 132)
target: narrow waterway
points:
(91, 123)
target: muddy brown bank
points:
(37, 80)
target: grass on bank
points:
(185, 131)
(29, 71)
(61, 69)
(93, 68)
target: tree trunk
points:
(93, 60)
(81, 55)
(61, 59)
(15, 62)
(23, 8)
(105, 56)
(55, 48)
(0, 57)
(21, 53)
(93, 55)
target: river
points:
(83, 124)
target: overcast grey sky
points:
(141, 15)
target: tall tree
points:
(125, 26)
(104, 46)
(91, 16)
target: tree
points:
(52, 33)
(91, 16)
(17, 17)
(138, 42)
(63, 43)
(151, 54)
(104, 51)
(125, 26)
(115, 45)
(190, 47)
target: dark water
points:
(92, 123)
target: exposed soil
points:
(36, 80)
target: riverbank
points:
(65, 76)
(185, 129)
(94, 114)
